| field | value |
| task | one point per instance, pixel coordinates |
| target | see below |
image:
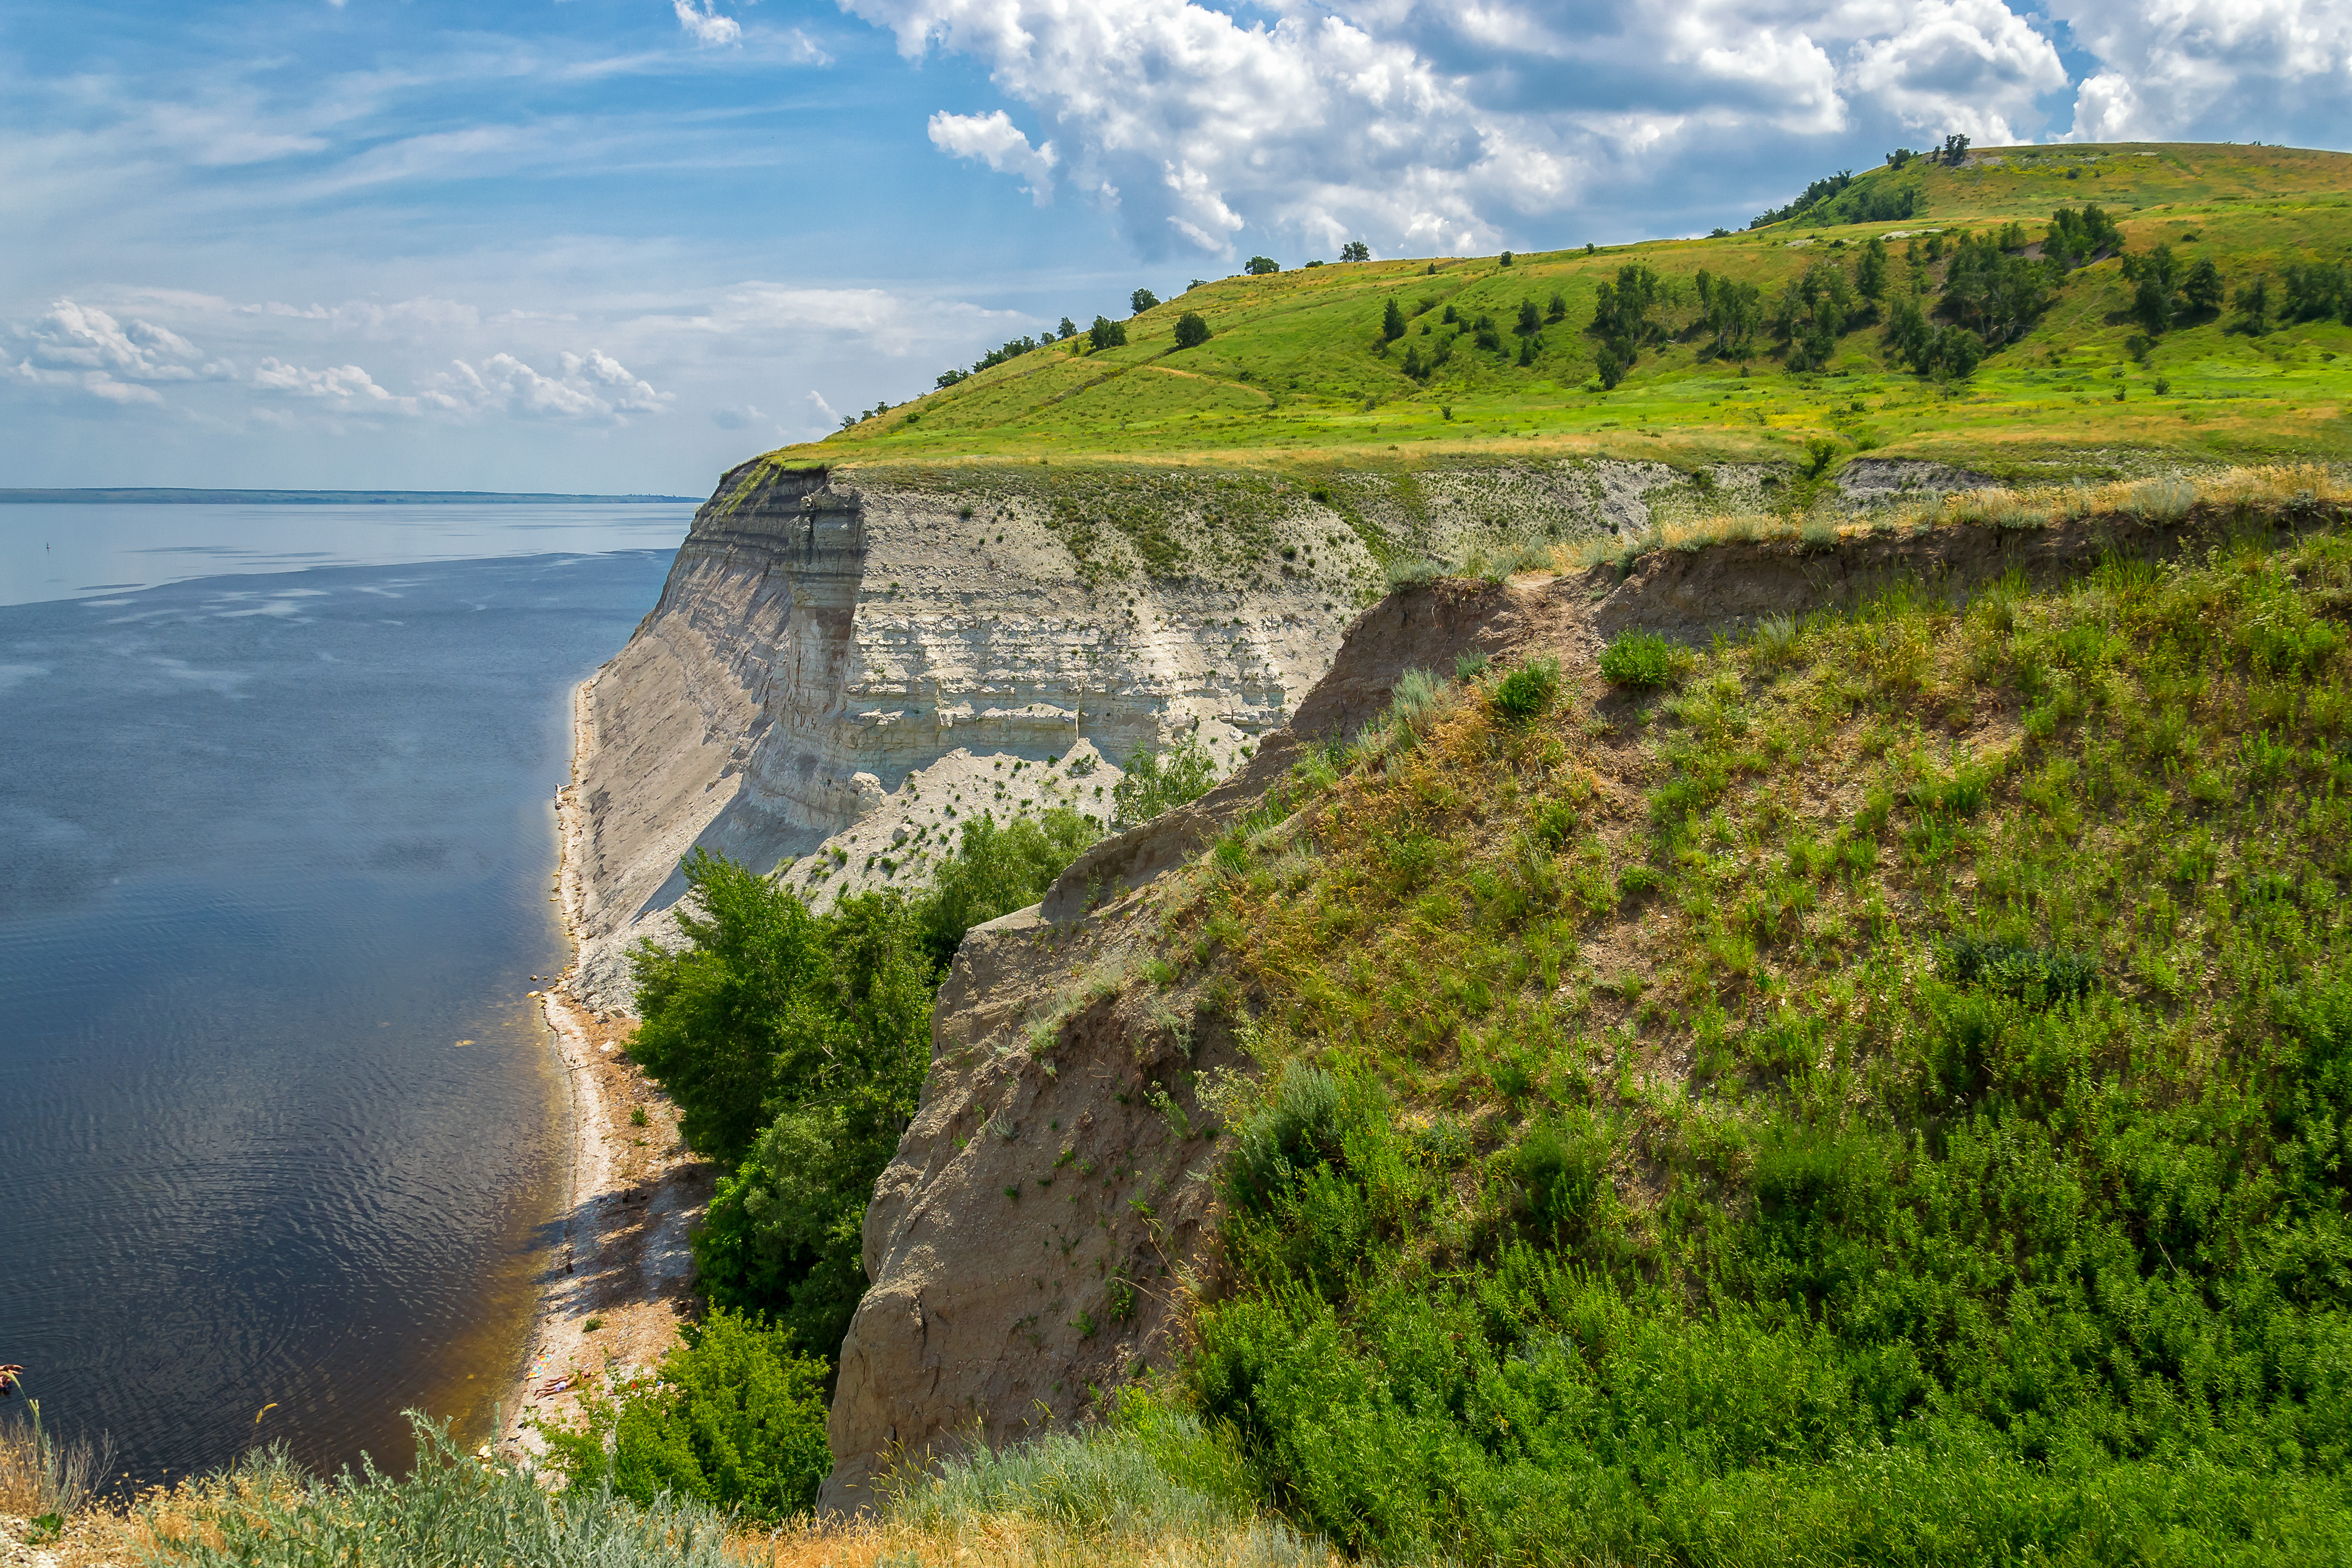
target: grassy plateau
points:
(1298, 371)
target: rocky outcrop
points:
(843, 667)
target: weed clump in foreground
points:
(1638, 659)
(1941, 1160)
(1528, 690)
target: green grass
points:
(1299, 374)
(1883, 1094)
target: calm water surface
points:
(278, 1126)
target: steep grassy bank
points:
(1874, 1090)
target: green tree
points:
(797, 1055)
(1354, 250)
(2201, 290)
(2253, 302)
(1191, 331)
(2155, 294)
(1870, 270)
(1107, 333)
(746, 1011)
(1260, 266)
(1142, 299)
(1067, 329)
(1157, 782)
(1392, 321)
(1559, 311)
(1530, 319)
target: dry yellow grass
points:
(1000, 1543)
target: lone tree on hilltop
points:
(1259, 265)
(1107, 333)
(1067, 331)
(1393, 322)
(1190, 331)
(1142, 299)
(1354, 250)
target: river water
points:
(279, 1140)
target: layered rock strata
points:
(843, 668)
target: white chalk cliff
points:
(843, 667)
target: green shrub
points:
(1638, 659)
(1296, 1131)
(1527, 690)
(1161, 781)
(1415, 697)
(1412, 573)
(1191, 331)
(1778, 640)
(735, 1419)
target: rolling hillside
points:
(1299, 369)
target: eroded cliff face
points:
(842, 669)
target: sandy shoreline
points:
(633, 1192)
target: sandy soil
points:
(617, 1286)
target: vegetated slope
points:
(1496, 355)
(1876, 1088)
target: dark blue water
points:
(277, 1124)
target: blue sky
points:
(621, 244)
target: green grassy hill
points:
(1298, 370)
(1876, 1090)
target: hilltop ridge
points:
(1301, 367)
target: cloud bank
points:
(1448, 127)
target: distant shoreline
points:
(328, 498)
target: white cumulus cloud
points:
(2210, 69)
(1449, 125)
(74, 347)
(345, 386)
(594, 386)
(705, 25)
(996, 141)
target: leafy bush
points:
(735, 1419)
(1142, 299)
(1261, 266)
(1191, 331)
(1161, 781)
(1638, 659)
(1107, 333)
(1528, 690)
